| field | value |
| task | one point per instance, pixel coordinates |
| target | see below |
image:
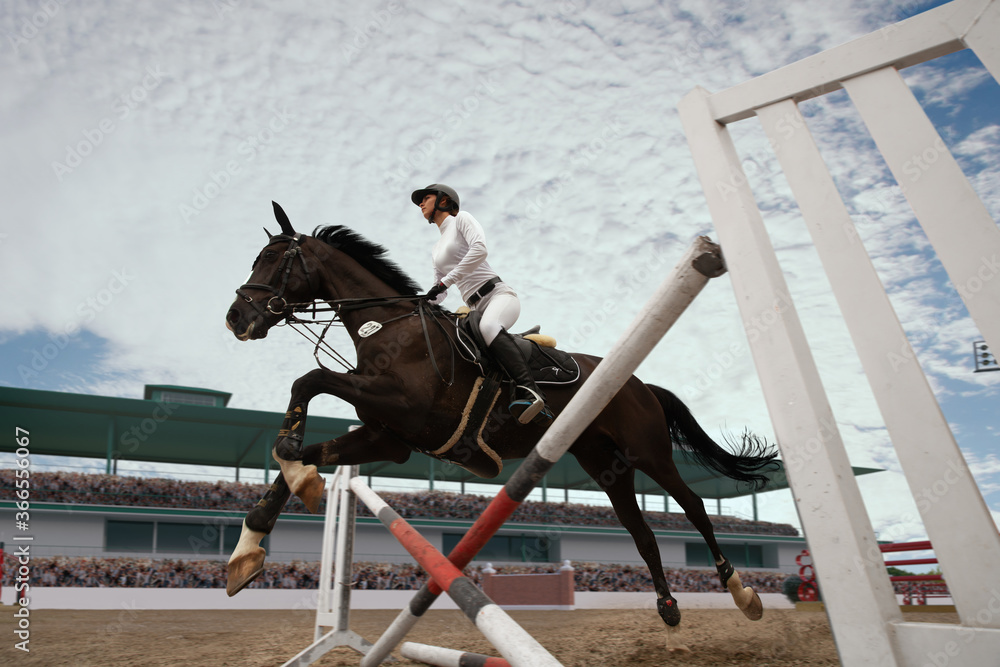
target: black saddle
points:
(548, 365)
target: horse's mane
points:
(370, 255)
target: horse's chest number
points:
(368, 328)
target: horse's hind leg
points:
(745, 597)
(616, 477)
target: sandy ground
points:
(583, 637)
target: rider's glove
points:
(434, 291)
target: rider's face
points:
(427, 206)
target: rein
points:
(277, 305)
(338, 306)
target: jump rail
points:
(448, 657)
(702, 261)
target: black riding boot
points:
(527, 402)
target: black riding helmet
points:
(436, 189)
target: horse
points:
(410, 398)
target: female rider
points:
(459, 258)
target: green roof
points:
(102, 427)
(148, 393)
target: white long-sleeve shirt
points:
(459, 256)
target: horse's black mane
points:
(370, 255)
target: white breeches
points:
(500, 309)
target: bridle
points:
(276, 303)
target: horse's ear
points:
(279, 215)
(269, 234)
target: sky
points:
(144, 143)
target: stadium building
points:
(92, 516)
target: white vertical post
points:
(964, 236)
(856, 591)
(323, 609)
(341, 500)
(344, 561)
(982, 38)
(934, 466)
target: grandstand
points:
(121, 528)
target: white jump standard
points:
(864, 616)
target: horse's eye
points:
(270, 254)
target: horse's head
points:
(280, 275)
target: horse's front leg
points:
(370, 394)
(364, 445)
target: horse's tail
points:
(750, 462)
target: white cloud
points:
(558, 126)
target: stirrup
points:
(527, 409)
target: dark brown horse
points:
(412, 394)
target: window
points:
(524, 548)
(744, 555)
(187, 399)
(188, 538)
(128, 536)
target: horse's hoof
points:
(668, 610)
(754, 609)
(243, 569)
(305, 482)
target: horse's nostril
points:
(232, 316)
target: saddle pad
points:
(549, 365)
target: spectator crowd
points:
(93, 572)
(97, 489)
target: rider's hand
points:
(434, 291)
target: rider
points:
(459, 259)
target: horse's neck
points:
(353, 282)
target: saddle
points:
(548, 365)
(467, 446)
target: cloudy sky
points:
(144, 142)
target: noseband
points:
(276, 304)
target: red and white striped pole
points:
(509, 638)
(702, 261)
(447, 657)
